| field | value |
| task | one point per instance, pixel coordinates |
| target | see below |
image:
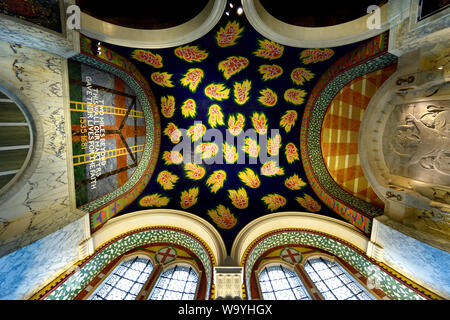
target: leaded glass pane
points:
(321, 286)
(334, 282)
(342, 293)
(121, 270)
(363, 296)
(300, 294)
(139, 265)
(193, 276)
(263, 276)
(143, 277)
(285, 295)
(104, 290)
(344, 278)
(309, 268)
(190, 287)
(173, 295)
(168, 273)
(163, 282)
(319, 265)
(126, 281)
(337, 271)
(116, 294)
(180, 283)
(268, 296)
(188, 296)
(326, 274)
(148, 268)
(127, 263)
(131, 274)
(176, 285)
(294, 282)
(135, 289)
(276, 274)
(157, 294)
(124, 284)
(328, 295)
(354, 288)
(314, 276)
(280, 283)
(265, 286)
(180, 275)
(113, 280)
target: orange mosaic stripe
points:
(340, 133)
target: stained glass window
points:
(333, 282)
(177, 283)
(280, 283)
(125, 281)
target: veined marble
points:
(23, 33)
(38, 204)
(425, 264)
(26, 270)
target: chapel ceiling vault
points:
(233, 127)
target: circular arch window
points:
(16, 141)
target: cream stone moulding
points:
(307, 37)
(165, 218)
(155, 39)
(300, 220)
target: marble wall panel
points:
(26, 270)
(39, 202)
(415, 259)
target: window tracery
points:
(279, 283)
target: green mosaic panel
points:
(150, 133)
(80, 279)
(391, 286)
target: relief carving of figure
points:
(426, 140)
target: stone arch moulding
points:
(121, 235)
(303, 229)
(307, 37)
(155, 39)
(166, 217)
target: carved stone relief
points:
(416, 141)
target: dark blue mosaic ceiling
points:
(233, 202)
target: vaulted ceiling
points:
(292, 114)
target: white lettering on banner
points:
(96, 133)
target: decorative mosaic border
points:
(391, 285)
(111, 204)
(68, 286)
(367, 58)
